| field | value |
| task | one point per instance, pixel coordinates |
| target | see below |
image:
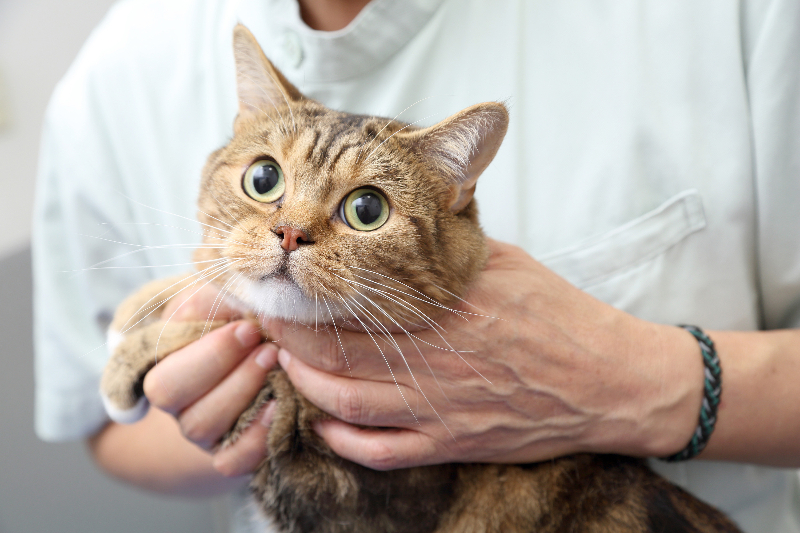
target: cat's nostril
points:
(292, 237)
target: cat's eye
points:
(365, 209)
(263, 181)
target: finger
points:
(207, 419)
(189, 373)
(371, 403)
(243, 456)
(379, 449)
(346, 353)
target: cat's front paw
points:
(133, 355)
(122, 415)
(121, 407)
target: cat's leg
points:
(138, 338)
(144, 307)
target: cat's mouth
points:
(286, 278)
(280, 274)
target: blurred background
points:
(51, 487)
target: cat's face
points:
(326, 216)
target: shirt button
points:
(292, 49)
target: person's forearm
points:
(759, 414)
(153, 455)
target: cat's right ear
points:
(260, 86)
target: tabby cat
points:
(307, 206)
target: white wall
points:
(38, 40)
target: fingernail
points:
(284, 357)
(266, 355)
(247, 334)
(266, 418)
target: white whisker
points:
(258, 108)
(395, 133)
(140, 266)
(223, 207)
(166, 212)
(178, 308)
(392, 120)
(338, 338)
(394, 342)
(203, 274)
(385, 360)
(439, 333)
(427, 298)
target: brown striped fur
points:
(433, 244)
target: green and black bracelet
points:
(712, 389)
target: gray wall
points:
(56, 487)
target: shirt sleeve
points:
(81, 227)
(772, 55)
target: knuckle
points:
(351, 405)
(194, 429)
(331, 358)
(379, 456)
(222, 346)
(155, 393)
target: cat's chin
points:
(280, 298)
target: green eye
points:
(263, 181)
(365, 209)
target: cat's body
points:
(328, 218)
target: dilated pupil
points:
(368, 208)
(265, 178)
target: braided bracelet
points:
(712, 388)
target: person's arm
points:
(557, 372)
(154, 455)
(759, 415)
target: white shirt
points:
(653, 159)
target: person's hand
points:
(543, 370)
(209, 383)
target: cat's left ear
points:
(260, 86)
(462, 146)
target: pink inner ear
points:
(461, 197)
(260, 87)
(462, 146)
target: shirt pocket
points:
(606, 256)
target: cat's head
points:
(328, 216)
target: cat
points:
(307, 204)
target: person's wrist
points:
(655, 393)
(673, 412)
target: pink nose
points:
(292, 237)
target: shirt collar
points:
(379, 31)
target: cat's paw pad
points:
(125, 416)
